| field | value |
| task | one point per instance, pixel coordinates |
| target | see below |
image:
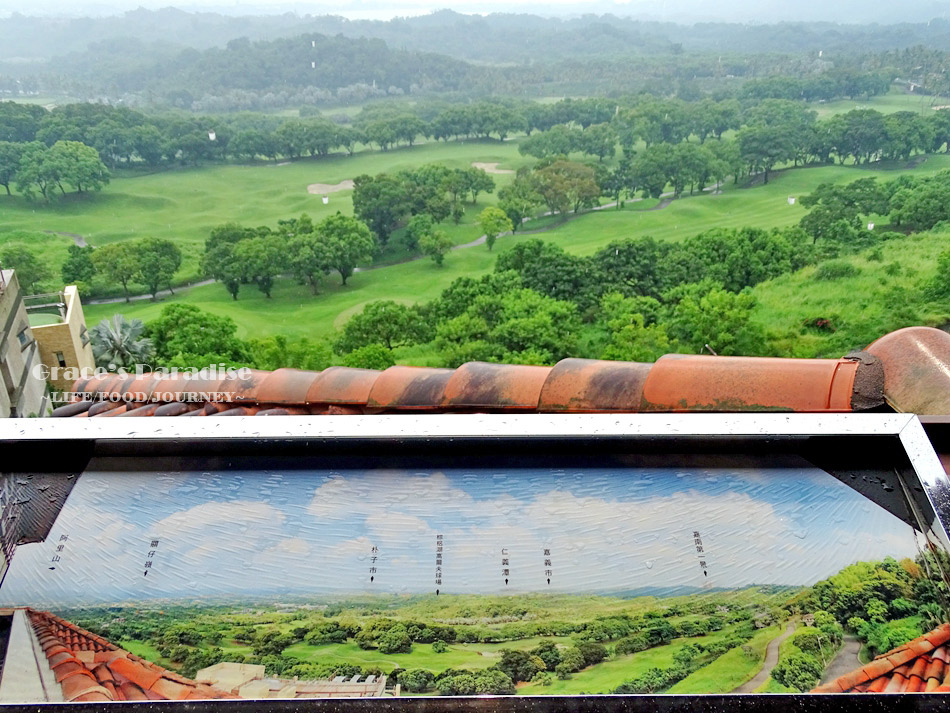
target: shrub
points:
(836, 270)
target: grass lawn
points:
(732, 669)
(605, 677)
(896, 100)
(145, 650)
(185, 204)
(868, 304)
(293, 311)
(470, 656)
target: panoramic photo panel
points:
(518, 581)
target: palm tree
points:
(118, 342)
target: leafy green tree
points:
(308, 258)
(159, 260)
(519, 665)
(436, 245)
(222, 264)
(439, 647)
(394, 641)
(519, 200)
(271, 642)
(477, 181)
(347, 241)
(78, 165)
(261, 260)
(10, 155)
(370, 356)
(31, 270)
(36, 172)
(183, 330)
(117, 262)
(120, 342)
(416, 680)
(762, 147)
(380, 202)
(798, 671)
(631, 338)
(417, 228)
(493, 222)
(78, 265)
(567, 185)
(519, 326)
(707, 314)
(383, 322)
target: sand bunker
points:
(492, 168)
(325, 188)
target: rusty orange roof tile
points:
(483, 386)
(911, 366)
(918, 665)
(409, 388)
(89, 668)
(916, 377)
(709, 383)
(588, 385)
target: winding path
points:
(78, 239)
(771, 658)
(845, 661)
(665, 200)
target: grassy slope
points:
(606, 676)
(183, 205)
(470, 656)
(732, 669)
(294, 312)
(864, 304)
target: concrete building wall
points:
(66, 344)
(22, 389)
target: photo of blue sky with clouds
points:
(608, 530)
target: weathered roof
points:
(921, 665)
(89, 668)
(908, 369)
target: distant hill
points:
(501, 38)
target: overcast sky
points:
(607, 530)
(684, 11)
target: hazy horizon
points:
(678, 11)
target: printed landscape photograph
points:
(523, 581)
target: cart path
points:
(845, 661)
(771, 658)
(665, 200)
(78, 239)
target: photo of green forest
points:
(533, 581)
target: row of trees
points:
(236, 256)
(42, 171)
(386, 200)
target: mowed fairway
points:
(468, 656)
(185, 204)
(293, 311)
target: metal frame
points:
(887, 457)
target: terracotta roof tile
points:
(586, 385)
(409, 388)
(342, 385)
(911, 366)
(89, 668)
(482, 386)
(285, 386)
(919, 665)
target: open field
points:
(732, 669)
(896, 100)
(185, 204)
(787, 302)
(469, 656)
(295, 312)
